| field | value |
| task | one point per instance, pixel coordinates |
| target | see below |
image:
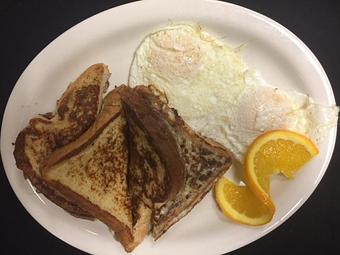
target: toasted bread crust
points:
(76, 111)
(40, 184)
(111, 110)
(20, 156)
(56, 197)
(141, 227)
(122, 232)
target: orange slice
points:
(278, 151)
(241, 205)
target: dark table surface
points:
(27, 26)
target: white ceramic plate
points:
(111, 37)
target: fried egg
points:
(216, 93)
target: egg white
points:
(217, 95)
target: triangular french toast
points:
(93, 173)
(192, 163)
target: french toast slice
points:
(93, 170)
(75, 112)
(146, 180)
(147, 174)
(193, 163)
(152, 122)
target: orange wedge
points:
(278, 151)
(241, 205)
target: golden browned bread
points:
(151, 120)
(147, 174)
(75, 113)
(138, 166)
(93, 173)
(192, 163)
(146, 179)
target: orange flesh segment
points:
(276, 156)
(244, 201)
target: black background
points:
(27, 26)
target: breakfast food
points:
(143, 160)
(147, 179)
(240, 204)
(279, 151)
(193, 163)
(76, 111)
(98, 173)
(92, 171)
(215, 92)
(218, 96)
(289, 151)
